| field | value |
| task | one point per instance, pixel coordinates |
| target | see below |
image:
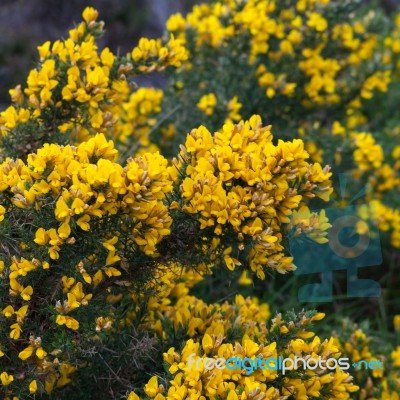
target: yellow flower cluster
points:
(76, 297)
(234, 107)
(310, 58)
(378, 81)
(279, 35)
(367, 153)
(85, 183)
(383, 174)
(239, 183)
(101, 219)
(205, 19)
(190, 382)
(151, 51)
(207, 103)
(357, 345)
(209, 326)
(313, 225)
(319, 70)
(355, 39)
(322, 74)
(388, 221)
(274, 83)
(202, 318)
(69, 71)
(95, 251)
(58, 374)
(136, 119)
(244, 328)
(87, 91)
(66, 193)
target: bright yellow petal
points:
(33, 387)
(133, 396)
(27, 293)
(26, 353)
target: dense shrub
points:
(103, 239)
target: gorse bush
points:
(115, 201)
(81, 233)
(323, 71)
(76, 91)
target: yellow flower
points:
(69, 322)
(26, 353)
(2, 212)
(367, 153)
(15, 332)
(111, 271)
(40, 353)
(62, 210)
(107, 57)
(33, 387)
(109, 244)
(175, 22)
(44, 50)
(317, 21)
(245, 279)
(64, 230)
(21, 313)
(65, 371)
(233, 107)
(232, 395)
(8, 311)
(378, 81)
(6, 379)
(90, 14)
(396, 356)
(26, 293)
(112, 258)
(338, 129)
(207, 343)
(207, 103)
(98, 277)
(396, 322)
(133, 396)
(152, 388)
(318, 316)
(83, 222)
